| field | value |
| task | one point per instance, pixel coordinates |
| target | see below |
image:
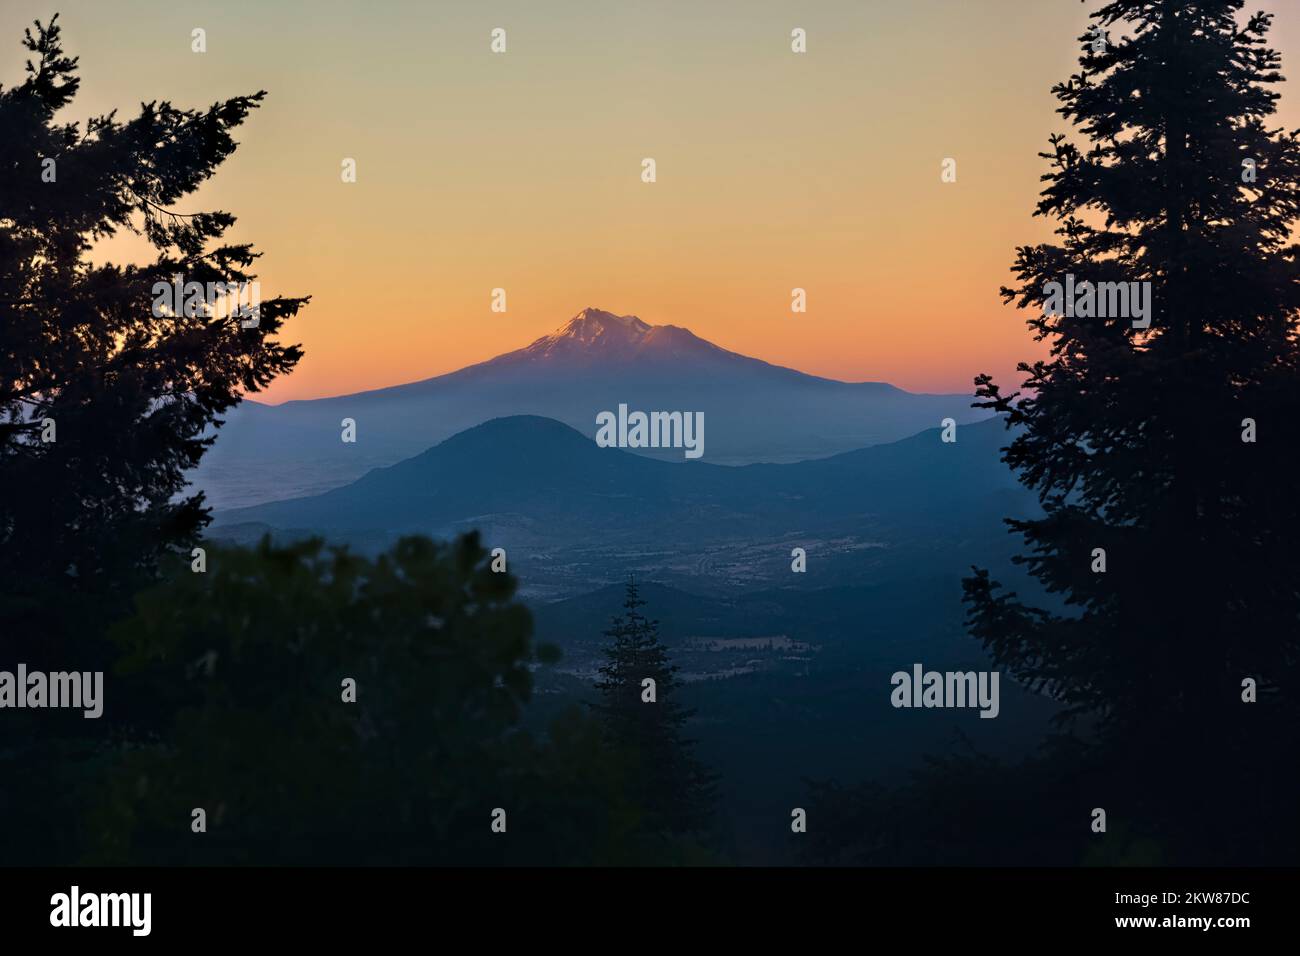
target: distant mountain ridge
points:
(755, 411)
(541, 474)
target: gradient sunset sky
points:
(522, 170)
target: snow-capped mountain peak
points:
(591, 325)
(595, 332)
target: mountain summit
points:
(596, 325)
(595, 336)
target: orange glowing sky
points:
(522, 170)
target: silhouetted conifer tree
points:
(1133, 437)
(104, 404)
(128, 396)
(676, 788)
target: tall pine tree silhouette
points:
(676, 788)
(1137, 439)
(105, 404)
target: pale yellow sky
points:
(522, 170)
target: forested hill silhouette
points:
(545, 471)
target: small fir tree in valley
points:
(677, 789)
